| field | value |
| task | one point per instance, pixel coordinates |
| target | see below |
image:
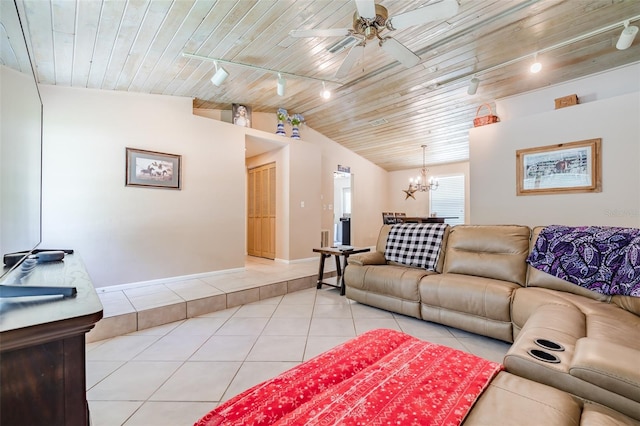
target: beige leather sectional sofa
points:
(483, 284)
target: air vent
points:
(342, 44)
(378, 122)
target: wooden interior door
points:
(261, 209)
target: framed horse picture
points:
(559, 169)
(153, 169)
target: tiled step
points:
(145, 306)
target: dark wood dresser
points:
(42, 348)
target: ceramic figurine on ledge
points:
(296, 120)
(282, 116)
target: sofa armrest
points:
(369, 258)
(607, 365)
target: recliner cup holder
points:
(549, 345)
(543, 356)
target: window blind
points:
(448, 199)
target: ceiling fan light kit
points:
(369, 22)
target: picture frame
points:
(153, 169)
(573, 167)
(241, 115)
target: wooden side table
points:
(337, 252)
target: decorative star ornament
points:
(409, 193)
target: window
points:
(448, 199)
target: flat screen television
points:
(20, 140)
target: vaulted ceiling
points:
(380, 110)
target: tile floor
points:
(143, 306)
(175, 373)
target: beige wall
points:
(605, 113)
(370, 182)
(129, 234)
(297, 198)
(368, 193)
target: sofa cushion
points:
(596, 415)
(604, 321)
(523, 402)
(484, 297)
(491, 251)
(476, 304)
(394, 281)
(628, 303)
(609, 366)
(510, 399)
(394, 288)
(527, 301)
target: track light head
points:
(220, 76)
(536, 66)
(473, 86)
(325, 93)
(280, 87)
(626, 38)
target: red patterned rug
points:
(380, 377)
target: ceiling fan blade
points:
(366, 8)
(329, 32)
(352, 57)
(400, 52)
(433, 12)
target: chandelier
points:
(421, 183)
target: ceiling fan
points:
(370, 20)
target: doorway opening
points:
(342, 186)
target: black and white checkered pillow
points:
(415, 244)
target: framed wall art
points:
(153, 169)
(559, 169)
(241, 115)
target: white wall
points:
(399, 181)
(611, 113)
(130, 234)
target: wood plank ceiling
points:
(138, 46)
